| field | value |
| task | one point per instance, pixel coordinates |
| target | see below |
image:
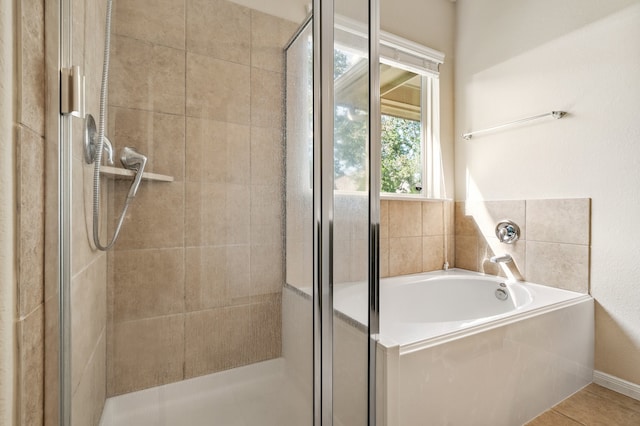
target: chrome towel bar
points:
(554, 114)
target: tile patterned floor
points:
(594, 405)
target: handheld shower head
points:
(133, 160)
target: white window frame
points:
(408, 55)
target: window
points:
(402, 165)
(409, 104)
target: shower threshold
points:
(260, 393)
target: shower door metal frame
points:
(64, 134)
(323, 184)
(374, 202)
(323, 122)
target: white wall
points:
(525, 57)
(7, 219)
(430, 23)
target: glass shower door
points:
(199, 287)
(328, 232)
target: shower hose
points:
(98, 158)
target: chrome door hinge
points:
(72, 91)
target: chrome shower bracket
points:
(507, 231)
(90, 140)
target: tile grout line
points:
(614, 399)
(184, 204)
(552, 409)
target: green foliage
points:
(401, 169)
(350, 149)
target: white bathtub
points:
(450, 352)
(421, 307)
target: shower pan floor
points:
(257, 394)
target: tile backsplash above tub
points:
(414, 235)
(554, 244)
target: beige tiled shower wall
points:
(415, 235)
(30, 149)
(554, 244)
(195, 280)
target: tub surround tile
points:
(384, 219)
(432, 253)
(448, 208)
(146, 353)
(405, 219)
(161, 137)
(147, 76)
(218, 90)
(464, 222)
(157, 21)
(564, 266)
(219, 29)
(490, 246)
(487, 214)
(148, 283)
(402, 219)
(559, 221)
(405, 255)
(432, 218)
(451, 250)
(466, 252)
(544, 253)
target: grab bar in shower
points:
(554, 114)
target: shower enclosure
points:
(261, 183)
